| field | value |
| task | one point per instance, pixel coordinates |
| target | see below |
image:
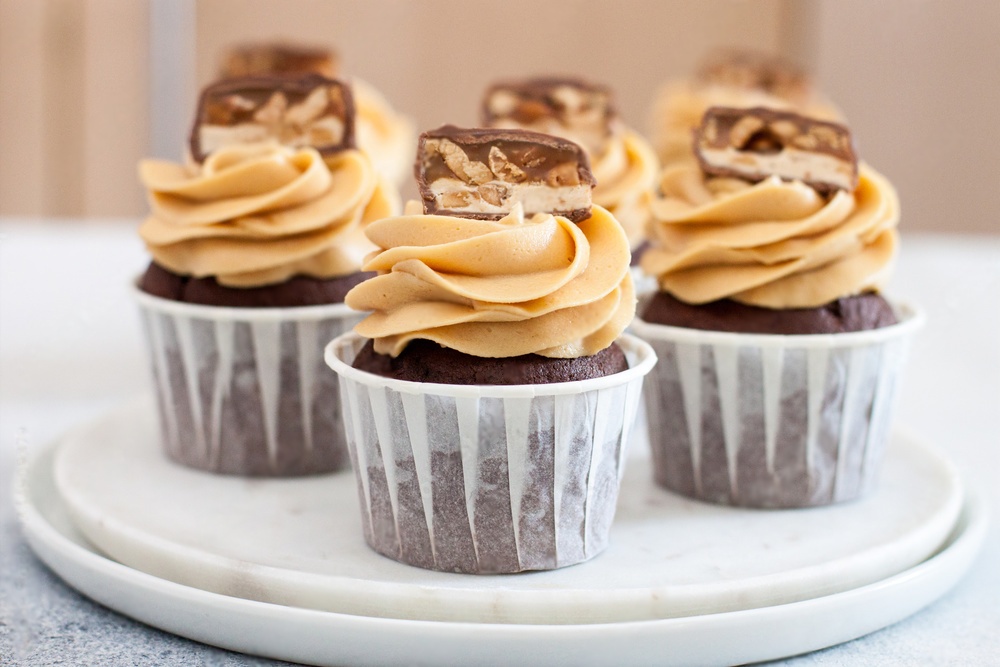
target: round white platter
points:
(650, 534)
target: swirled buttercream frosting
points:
(258, 214)
(625, 174)
(501, 288)
(384, 134)
(775, 244)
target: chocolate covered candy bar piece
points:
(752, 70)
(753, 144)
(483, 173)
(294, 110)
(268, 58)
(569, 108)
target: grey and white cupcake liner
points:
(488, 479)
(245, 391)
(772, 421)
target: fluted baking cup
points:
(772, 421)
(245, 391)
(488, 479)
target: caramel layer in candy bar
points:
(753, 144)
(294, 110)
(757, 71)
(263, 59)
(568, 108)
(483, 173)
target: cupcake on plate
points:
(622, 162)
(383, 134)
(731, 78)
(255, 243)
(490, 394)
(778, 355)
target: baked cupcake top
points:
(622, 162)
(731, 79)
(767, 236)
(383, 134)
(256, 212)
(503, 283)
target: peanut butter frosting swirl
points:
(259, 214)
(497, 288)
(775, 244)
(385, 135)
(680, 106)
(625, 174)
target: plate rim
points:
(417, 598)
(86, 570)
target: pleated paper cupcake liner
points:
(245, 391)
(488, 479)
(772, 421)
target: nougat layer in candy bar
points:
(294, 110)
(268, 58)
(753, 144)
(570, 108)
(483, 173)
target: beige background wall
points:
(920, 83)
(73, 106)
(914, 77)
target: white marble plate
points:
(298, 542)
(326, 638)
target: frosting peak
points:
(775, 244)
(501, 288)
(258, 214)
(386, 136)
(625, 172)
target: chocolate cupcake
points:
(491, 393)
(385, 135)
(622, 162)
(778, 355)
(254, 249)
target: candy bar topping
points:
(749, 70)
(267, 58)
(484, 173)
(576, 110)
(756, 143)
(622, 162)
(732, 79)
(295, 111)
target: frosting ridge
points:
(258, 214)
(775, 244)
(625, 173)
(501, 288)
(385, 135)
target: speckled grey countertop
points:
(70, 351)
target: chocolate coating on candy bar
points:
(269, 58)
(751, 70)
(295, 110)
(570, 108)
(483, 173)
(756, 143)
